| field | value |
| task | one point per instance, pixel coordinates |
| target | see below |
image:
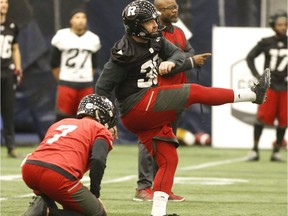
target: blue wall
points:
(36, 97)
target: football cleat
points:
(276, 157)
(175, 198)
(260, 88)
(144, 195)
(12, 153)
(252, 156)
(37, 207)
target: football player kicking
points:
(70, 148)
(146, 164)
(147, 109)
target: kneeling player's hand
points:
(114, 132)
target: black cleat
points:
(261, 86)
(276, 157)
(37, 207)
(253, 156)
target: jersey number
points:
(61, 130)
(275, 54)
(76, 57)
(150, 69)
(6, 42)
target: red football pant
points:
(167, 161)
(69, 98)
(72, 195)
(275, 107)
(150, 121)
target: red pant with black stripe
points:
(71, 194)
(150, 121)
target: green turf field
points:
(215, 182)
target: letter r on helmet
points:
(131, 11)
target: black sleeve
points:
(95, 59)
(256, 51)
(187, 65)
(172, 53)
(16, 34)
(111, 75)
(189, 50)
(55, 57)
(98, 165)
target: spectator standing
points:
(275, 51)
(11, 75)
(74, 60)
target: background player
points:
(147, 110)
(11, 75)
(146, 164)
(70, 148)
(275, 51)
(74, 61)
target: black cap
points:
(75, 11)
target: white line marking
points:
(212, 164)
(207, 181)
(10, 177)
(130, 177)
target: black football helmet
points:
(138, 12)
(98, 107)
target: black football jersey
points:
(276, 58)
(133, 66)
(8, 37)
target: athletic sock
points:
(159, 203)
(242, 95)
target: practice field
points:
(216, 182)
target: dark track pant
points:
(7, 108)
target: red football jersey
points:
(68, 144)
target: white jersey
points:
(76, 54)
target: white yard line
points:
(212, 164)
(130, 177)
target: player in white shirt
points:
(73, 61)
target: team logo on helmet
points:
(138, 12)
(98, 107)
(131, 12)
(89, 106)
